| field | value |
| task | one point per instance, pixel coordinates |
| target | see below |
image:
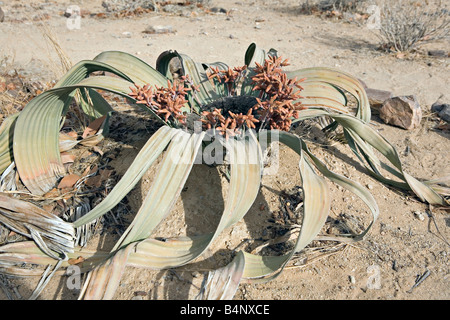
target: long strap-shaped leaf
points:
(263, 268)
(341, 80)
(317, 202)
(223, 282)
(102, 282)
(85, 67)
(245, 178)
(36, 134)
(36, 142)
(323, 95)
(139, 71)
(361, 138)
(174, 252)
(44, 113)
(297, 144)
(167, 186)
(145, 158)
(197, 73)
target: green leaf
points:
(197, 74)
(362, 137)
(244, 186)
(137, 70)
(167, 186)
(316, 207)
(253, 55)
(163, 63)
(322, 94)
(145, 158)
(340, 80)
(36, 134)
(293, 142)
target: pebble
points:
(159, 29)
(2, 15)
(218, 10)
(352, 279)
(419, 215)
(438, 53)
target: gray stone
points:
(2, 15)
(442, 110)
(402, 111)
(218, 10)
(438, 53)
(159, 29)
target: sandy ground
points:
(400, 246)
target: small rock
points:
(395, 265)
(442, 110)
(352, 279)
(377, 97)
(2, 15)
(218, 10)
(438, 53)
(402, 111)
(126, 34)
(159, 29)
(419, 215)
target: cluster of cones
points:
(168, 102)
(278, 101)
(277, 104)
